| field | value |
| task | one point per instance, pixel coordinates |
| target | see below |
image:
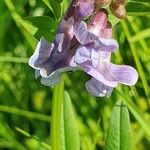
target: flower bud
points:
(118, 10)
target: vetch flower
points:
(51, 59)
(94, 54)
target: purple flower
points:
(93, 56)
(51, 59)
(86, 7)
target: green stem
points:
(56, 115)
(13, 59)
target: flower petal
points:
(86, 8)
(41, 54)
(124, 74)
(62, 41)
(96, 88)
(104, 77)
(109, 45)
(95, 64)
(85, 53)
(82, 34)
(82, 54)
(54, 77)
(85, 37)
(51, 80)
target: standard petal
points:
(85, 37)
(124, 74)
(82, 34)
(109, 45)
(96, 88)
(41, 54)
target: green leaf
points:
(70, 128)
(138, 8)
(40, 26)
(119, 135)
(59, 1)
(64, 5)
(47, 3)
(141, 1)
(56, 9)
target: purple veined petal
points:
(56, 62)
(54, 77)
(82, 34)
(62, 41)
(41, 54)
(94, 57)
(59, 39)
(85, 53)
(85, 37)
(44, 74)
(124, 74)
(95, 64)
(66, 26)
(104, 77)
(109, 45)
(98, 89)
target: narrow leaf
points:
(119, 135)
(141, 1)
(47, 3)
(137, 8)
(56, 9)
(70, 128)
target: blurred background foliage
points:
(25, 104)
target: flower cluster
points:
(87, 46)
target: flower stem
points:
(56, 115)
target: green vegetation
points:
(36, 117)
